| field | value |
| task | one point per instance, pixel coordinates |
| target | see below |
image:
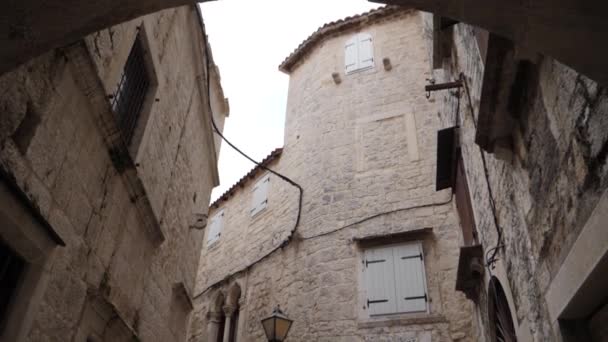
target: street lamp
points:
(276, 326)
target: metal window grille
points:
(128, 99)
(11, 269)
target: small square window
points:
(395, 279)
(359, 53)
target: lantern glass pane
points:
(268, 325)
(282, 328)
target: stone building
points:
(526, 159)
(375, 254)
(107, 160)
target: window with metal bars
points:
(130, 94)
(12, 266)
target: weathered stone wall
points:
(546, 192)
(54, 144)
(347, 145)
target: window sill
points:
(352, 72)
(258, 214)
(212, 246)
(401, 320)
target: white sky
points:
(249, 39)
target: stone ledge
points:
(401, 320)
(387, 238)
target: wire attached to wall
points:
(378, 215)
(289, 237)
(490, 262)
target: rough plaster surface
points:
(61, 161)
(346, 145)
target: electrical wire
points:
(499, 243)
(285, 178)
(378, 215)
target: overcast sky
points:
(249, 40)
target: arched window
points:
(216, 319)
(501, 324)
(223, 316)
(234, 295)
(359, 53)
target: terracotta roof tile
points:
(274, 155)
(337, 27)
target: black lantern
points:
(276, 326)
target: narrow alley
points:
(441, 176)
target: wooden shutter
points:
(215, 228)
(410, 278)
(366, 51)
(263, 189)
(351, 55)
(259, 197)
(380, 281)
(464, 206)
(446, 145)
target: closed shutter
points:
(380, 281)
(366, 51)
(410, 278)
(351, 55)
(259, 197)
(264, 192)
(215, 229)
(464, 206)
(446, 146)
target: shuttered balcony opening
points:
(12, 267)
(130, 94)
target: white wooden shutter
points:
(410, 278)
(366, 51)
(351, 55)
(259, 196)
(215, 228)
(264, 192)
(380, 281)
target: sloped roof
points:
(337, 27)
(274, 155)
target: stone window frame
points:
(140, 131)
(23, 232)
